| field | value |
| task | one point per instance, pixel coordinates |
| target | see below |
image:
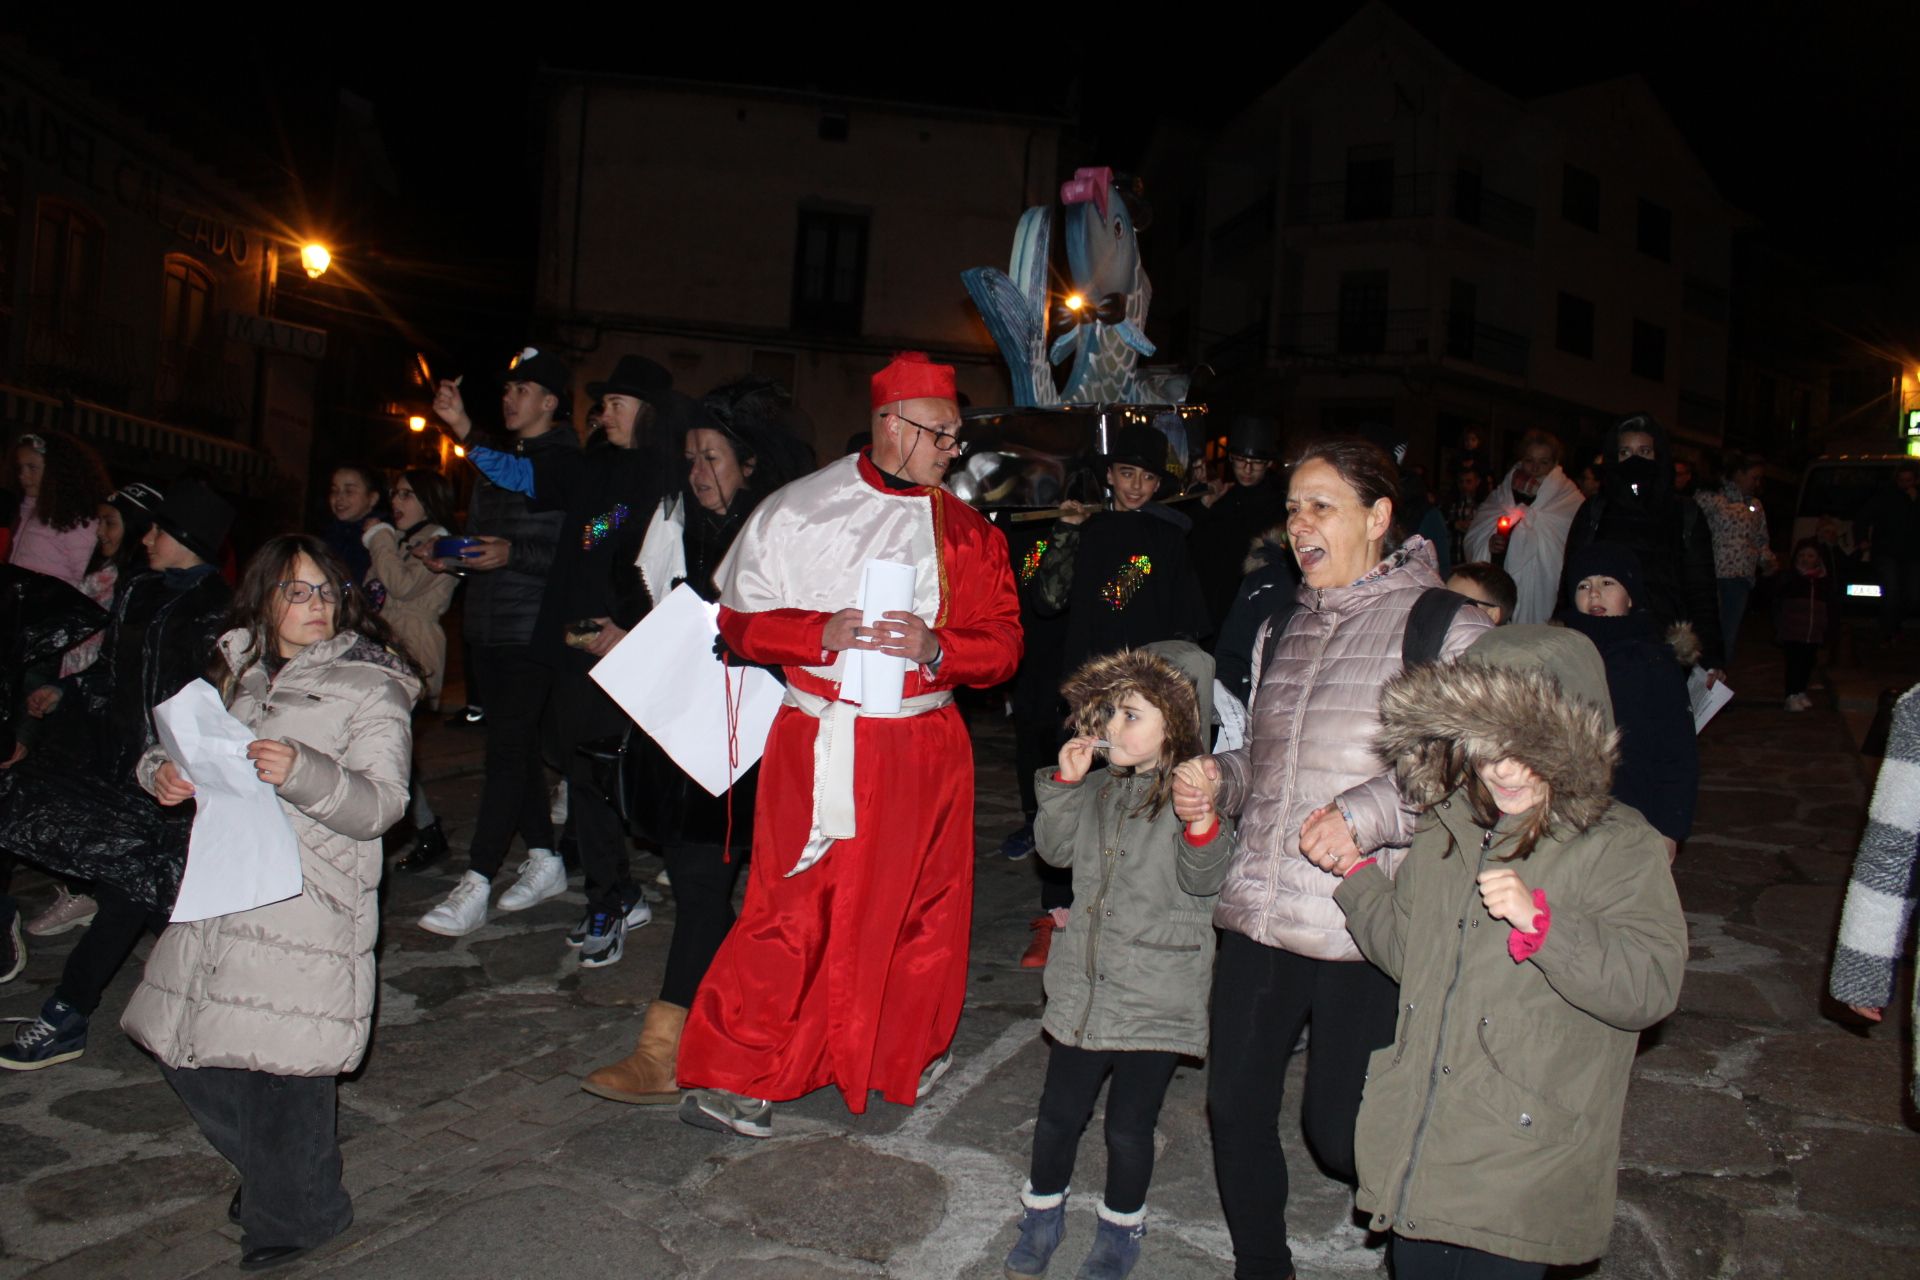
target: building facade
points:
(136, 286)
(726, 230)
(1384, 239)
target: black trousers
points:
(1800, 660)
(514, 801)
(1074, 1076)
(703, 913)
(278, 1132)
(1262, 997)
(1432, 1260)
(582, 712)
(118, 922)
(1036, 745)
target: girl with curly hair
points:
(61, 482)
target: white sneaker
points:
(543, 875)
(464, 910)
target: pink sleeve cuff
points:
(1062, 781)
(1521, 946)
(1367, 861)
(1206, 836)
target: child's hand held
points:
(1507, 898)
(1076, 757)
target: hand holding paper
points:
(242, 853)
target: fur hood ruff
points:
(1537, 694)
(1175, 676)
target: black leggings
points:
(1262, 997)
(703, 913)
(1140, 1080)
(118, 922)
(1800, 660)
(1434, 1260)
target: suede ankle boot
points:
(645, 1077)
(1116, 1244)
(1043, 1219)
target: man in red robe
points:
(848, 965)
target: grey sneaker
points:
(638, 914)
(606, 940)
(931, 1076)
(725, 1112)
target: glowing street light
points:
(315, 258)
(416, 423)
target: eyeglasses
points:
(944, 441)
(298, 592)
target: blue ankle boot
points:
(1042, 1220)
(1116, 1245)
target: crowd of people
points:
(1328, 758)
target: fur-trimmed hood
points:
(1537, 694)
(1174, 675)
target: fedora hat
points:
(196, 517)
(635, 376)
(1141, 445)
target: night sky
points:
(1806, 115)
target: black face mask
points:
(1637, 473)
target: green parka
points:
(1493, 1119)
(1133, 966)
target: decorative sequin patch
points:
(1030, 563)
(596, 530)
(1120, 591)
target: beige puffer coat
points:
(1312, 724)
(289, 988)
(416, 598)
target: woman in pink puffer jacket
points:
(1308, 785)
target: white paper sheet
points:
(873, 679)
(1706, 702)
(665, 676)
(243, 853)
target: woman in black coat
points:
(1637, 508)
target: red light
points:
(1505, 524)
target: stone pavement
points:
(1763, 1137)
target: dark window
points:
(830, 271)
(1649, 351)
(66, 267)
(185, 303)
(1363, 311)
(1463, 303)
(1580, 198)
(1369, 183)
(1466, 192)
(1573, 326)
(1655, 235)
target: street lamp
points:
(315, 258)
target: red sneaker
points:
(1035, 956)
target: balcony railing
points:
(1477, 205)
(1488, 346)
(79, 351)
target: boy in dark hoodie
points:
(1659, 771)
(1803, 601)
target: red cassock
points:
(853, 972)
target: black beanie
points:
(1607, 559)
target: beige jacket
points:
(1312, 724)
(416, 598)
(289, 988)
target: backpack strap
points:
(1427, 625)
(1276, 627)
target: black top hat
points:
(540, 367)
(635, 376)
(135, 503)
(1141, 445)
(1253, 436)
(196, 517)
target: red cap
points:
(912, 376)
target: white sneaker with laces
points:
(543, 875)
(464, 910)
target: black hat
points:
(1139, 444)
(1607, 559)
(1254, 436)
(196, 517)
(635, 376)
(135, 502)
(540, 367)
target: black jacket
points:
(503, 604)
(1659, 770)
(1124, 579)
(1666, 532)
(1224, 533)
(605, 498)
(1271, 577)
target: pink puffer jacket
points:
(1313, 720)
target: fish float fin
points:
(1128, 332)
(1063, 345)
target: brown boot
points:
(646, 1076)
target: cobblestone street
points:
(1763, 1138)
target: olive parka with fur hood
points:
(1493, 1119)
(1132, 967)
(289, 988)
